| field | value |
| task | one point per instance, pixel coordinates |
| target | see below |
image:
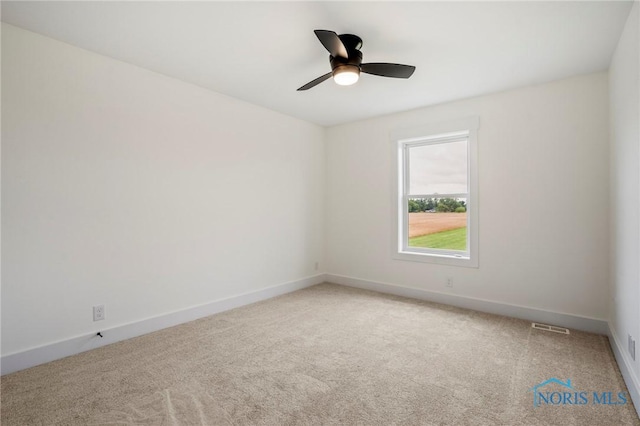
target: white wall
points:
(625, 189)
(127, 188)
(543, 199)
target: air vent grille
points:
(552, 328)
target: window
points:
(435, 203)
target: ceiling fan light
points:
(346, 75)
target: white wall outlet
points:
(316, 266)
(98, 312)
(632, 347)
(449, 282)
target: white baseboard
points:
(625, 364)
(51, 352)
(592, 325)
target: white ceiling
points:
(262, 52)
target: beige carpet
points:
(325, 355)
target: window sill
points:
(441, 259)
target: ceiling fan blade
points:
(315, 82)
(388, 70)
(332, 43)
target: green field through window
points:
(452, 239)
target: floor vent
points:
(552, 328)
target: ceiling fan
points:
(346, 61)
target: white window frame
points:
(425, 135)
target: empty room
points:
(320, 213)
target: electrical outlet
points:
(316, 266)
(449, 282)
(632, 347)
(98, 312)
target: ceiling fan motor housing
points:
(352, 63)
(352, 43)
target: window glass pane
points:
(438, 168)
(438, 223)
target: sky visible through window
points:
(438, 168)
